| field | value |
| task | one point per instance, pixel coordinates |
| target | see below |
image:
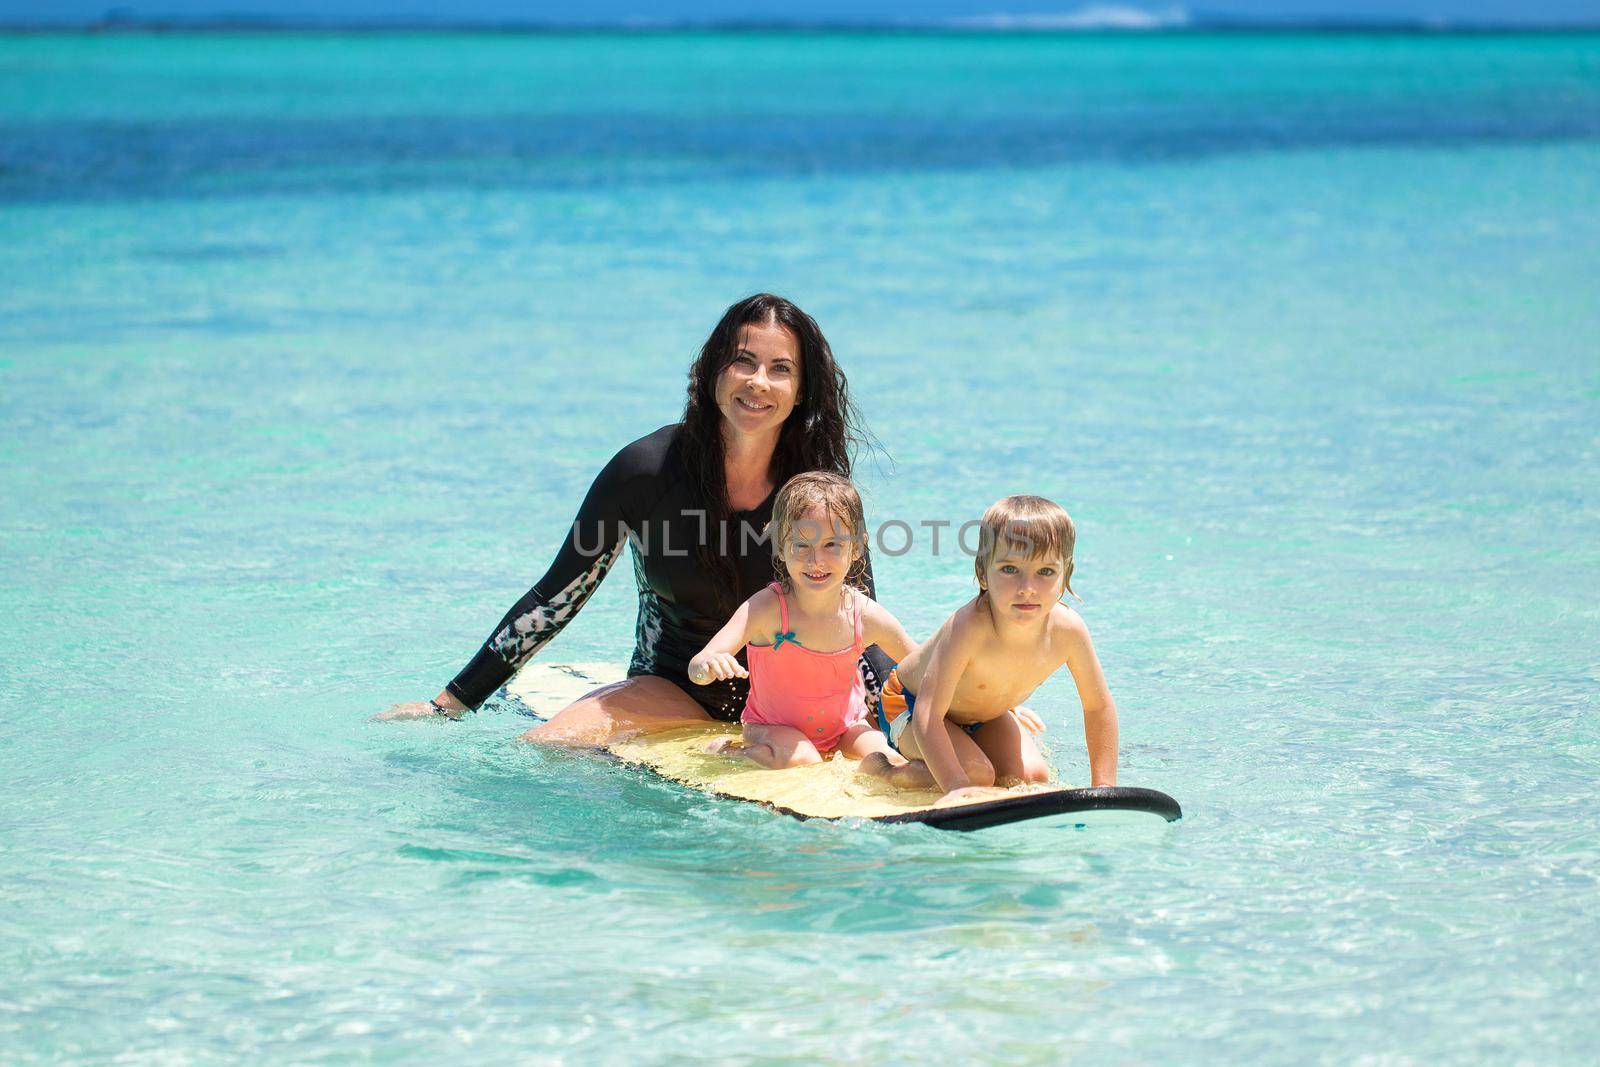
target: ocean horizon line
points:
(1093, 21)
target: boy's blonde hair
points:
(1032, 525)
(833, 493)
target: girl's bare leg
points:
(644, 704)
(1011, 750)
(863, 740)
(775, 747)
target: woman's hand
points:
(708, 667)
(445, 705)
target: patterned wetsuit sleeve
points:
(594, 541)
(875, 663)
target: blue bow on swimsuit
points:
(779, 638)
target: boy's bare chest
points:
(997, 680)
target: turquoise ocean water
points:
(309, 345)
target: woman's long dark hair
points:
(821, 434)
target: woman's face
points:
(760, 387)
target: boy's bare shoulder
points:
(1067, 627)
(969, 624)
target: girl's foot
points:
(727, 746)
(912, 775)
(877, 764)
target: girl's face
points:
(1023, 588)
(818, 551)
(759, 389)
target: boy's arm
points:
(879, 627)
(717, 660)
(951, 652)
(1099, 710)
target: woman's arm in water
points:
(594, 541)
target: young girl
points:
(805, 634)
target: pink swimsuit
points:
(821, 694)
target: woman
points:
(766, 402)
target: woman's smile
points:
(758, 406)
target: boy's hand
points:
(968, 794)
(1030, 722)
(717, 666)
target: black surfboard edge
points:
(959, 817)
(986, 813)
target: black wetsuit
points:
(643, 498)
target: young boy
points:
(953, 703)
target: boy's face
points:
(1024, 588)
(819, 550)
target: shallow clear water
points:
(310, 345)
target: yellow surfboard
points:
(834, 789)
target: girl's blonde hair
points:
(1036, 527)
(836, 495)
